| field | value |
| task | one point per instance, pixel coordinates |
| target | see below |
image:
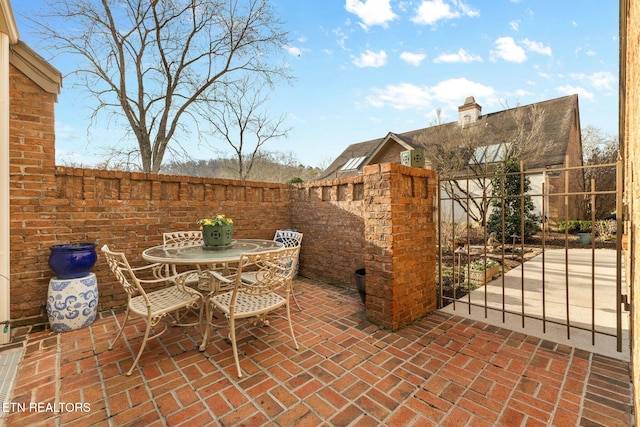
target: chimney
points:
(469, 112)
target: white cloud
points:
(405, 96)
(537, 47)
(571, 90)
(341, 38)
(456, 90)
(507, 50)
(521, 93)
(431, 11)
(602, 80)
(371, 59)
(461, 56)
(412, 58)
(371, 12)
(293, 51)
(402, 96)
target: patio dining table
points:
(199, 255)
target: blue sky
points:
(366, 68)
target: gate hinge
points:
(626, 302)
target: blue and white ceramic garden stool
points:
(72, 303)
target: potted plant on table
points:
(217, 232)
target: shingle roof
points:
(559, 116)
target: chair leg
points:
(142, 347)
(295, 299)
(232, 335)
(293, 336)
(206, 328)
(124, 323)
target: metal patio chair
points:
(153, 306)
(250, 302)
(290, 239)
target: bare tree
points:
(465, 156)
(153, 62)
(600, 152)
(244, 123)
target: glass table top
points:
(199, 254)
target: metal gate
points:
(554, 279)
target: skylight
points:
(353, 163)
(489, 153)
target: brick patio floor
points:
(442, 370)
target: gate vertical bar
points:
(593, 261)
(522, 234)
(566, 245)
(619, 231)
(544, 226)
(440, 281)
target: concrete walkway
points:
(583, 314)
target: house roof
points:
(24, 58)
(35, 67)
(7, 21)
(560, 114)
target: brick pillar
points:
(400, 234)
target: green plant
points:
(585, 227)
(574, 226)
(511, 202)
(218, 220)
(484, 264)
(606, 229)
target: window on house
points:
(489, 153)
(353, 163)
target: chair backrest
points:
(272, 269)
(120, 267)
(182, 238)
(290, 238)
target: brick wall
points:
(129, 212)
(382, 220)
(630, 103)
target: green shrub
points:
(575, 226)
(513, 207)
(585, 227)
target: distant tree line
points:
(268, 166)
